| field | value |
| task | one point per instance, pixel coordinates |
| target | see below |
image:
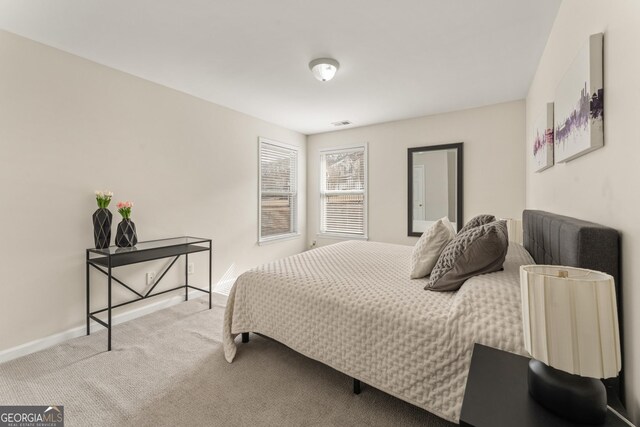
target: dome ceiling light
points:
(324, 68)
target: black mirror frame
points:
(458, 146)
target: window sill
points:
(270, 240)
(341, 236)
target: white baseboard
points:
(51, 340)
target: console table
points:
(105, 260)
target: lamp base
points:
(582, 400)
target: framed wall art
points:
(542, 135)
(579, 104)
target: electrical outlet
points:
(151, 276)
(191, 268)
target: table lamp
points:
(570, 324)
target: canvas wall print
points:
(542, 134)
(579, 104)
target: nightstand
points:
(497, 394)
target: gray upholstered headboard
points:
(562, 240)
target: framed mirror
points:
(435, 186)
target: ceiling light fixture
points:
(324, 68)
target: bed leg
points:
(356, 386)
(245, 337)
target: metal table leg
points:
(88, 296)
(109, 303)
(186, 277)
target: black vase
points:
(102, 228)
(126, 234)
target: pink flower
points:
(125, 209)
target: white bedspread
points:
(353, 307)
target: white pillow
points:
(429, 247)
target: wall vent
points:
(342, 123)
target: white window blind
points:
(343, 192)
(278, 190)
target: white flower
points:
(104, 194)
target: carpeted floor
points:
(168, 369)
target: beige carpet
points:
(168, 369)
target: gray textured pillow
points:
(477, 221)
(476, 251)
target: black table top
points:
(149, 250)
(150, 245)
(497, 394)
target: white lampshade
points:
(324, 69)
(514, 229)
(571, 323)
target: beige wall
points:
(69, 126)
(493, 165)
(601, 186)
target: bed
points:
(353, 307)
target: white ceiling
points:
(399, 59)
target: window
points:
(278, 207)
(343, 192)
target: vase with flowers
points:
(102, 220)
(126, 234)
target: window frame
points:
(365, 192)
(294, 212)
